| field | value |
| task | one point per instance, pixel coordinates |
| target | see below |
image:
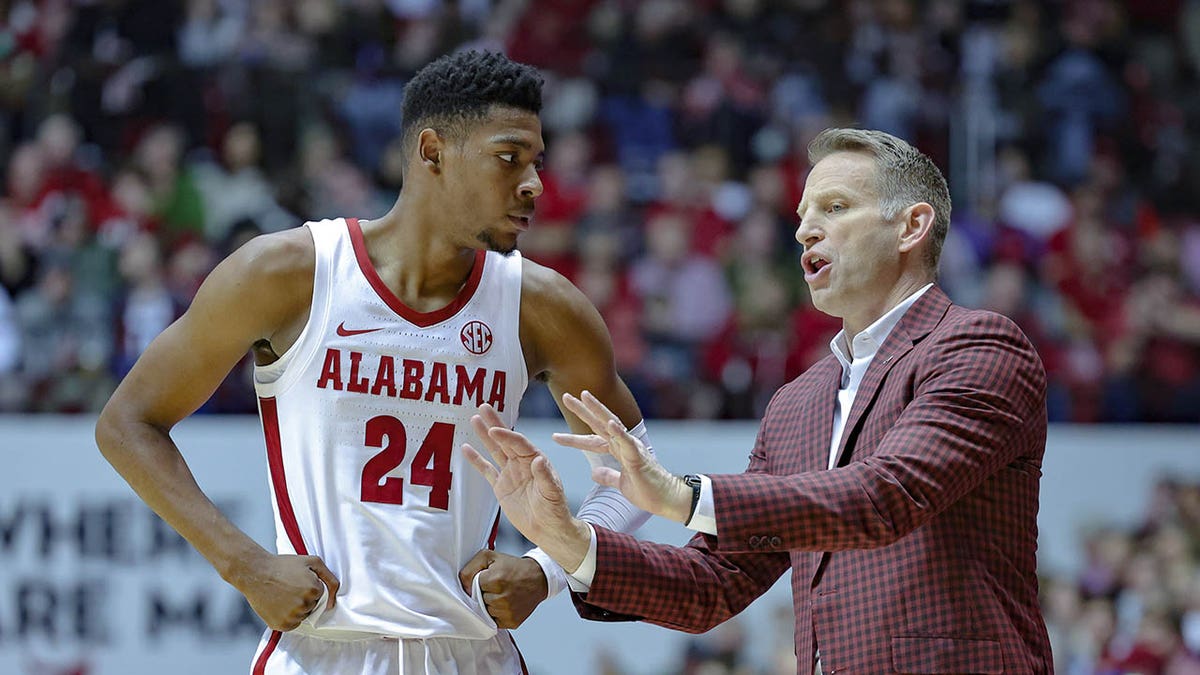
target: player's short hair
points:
(903, 176)
(456, 90)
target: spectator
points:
(25, 177)
(1078, 94)
(685, 302)
(147, 306)
(370, 106)
(65, 344)
(234, 187)
(686, 184)
(65, 177)
(750, 358)
(177, 203)
(209, 35)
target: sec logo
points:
(476, 337)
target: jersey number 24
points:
(430, 467)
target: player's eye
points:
(510, 157)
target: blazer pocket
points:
(946, 655)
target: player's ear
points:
(429, 149)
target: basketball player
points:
(374, 343)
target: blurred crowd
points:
(144, 140)
(1135, 607)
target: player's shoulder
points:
(558, 322)
(271, 273)
(285, 256)
(545, 289)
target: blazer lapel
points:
(916, 323)
(821, 400)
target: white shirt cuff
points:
(581, 579)
(556, 576)
(705, 518)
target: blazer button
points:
(755, 541)
(776, 542)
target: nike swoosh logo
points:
(346, 332)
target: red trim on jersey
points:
(422, 319)
(495, 531)
(270, 422)
(524, 668)
(260, 666)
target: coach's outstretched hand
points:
(643, 481)
(529, 490)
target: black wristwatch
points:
(694, 481)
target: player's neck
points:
(416, 261)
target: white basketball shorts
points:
(295, 654)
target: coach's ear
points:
(429, 150)
(915, 224)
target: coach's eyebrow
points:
(821, 196)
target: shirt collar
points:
(868, 342)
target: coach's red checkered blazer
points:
(917, 553)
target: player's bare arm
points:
(258, 299)
(567, 345)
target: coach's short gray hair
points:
(903, 176)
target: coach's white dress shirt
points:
(854, 367)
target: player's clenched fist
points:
(511, 587)
(283, 589)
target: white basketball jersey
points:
(364, 417)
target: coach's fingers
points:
(481, 428)
(597, 405)
(513, 443)
(481, 464)
(585, 442)
(327, 577)
(589, 415)
(546, 479)
(490, 417)
(623, 446)
(606, 476)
